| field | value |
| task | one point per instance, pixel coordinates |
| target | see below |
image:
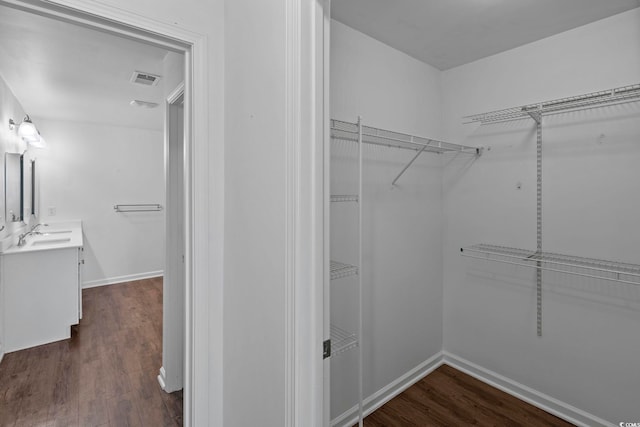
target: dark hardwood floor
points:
(448, 397)
(105, 375)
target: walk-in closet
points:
(482, 211)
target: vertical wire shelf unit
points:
(341, 340)
(538, 259)
(360, 134)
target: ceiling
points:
(63, 71)
(448, 33)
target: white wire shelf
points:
(342, 340)
(547, 261)
(344, 198)
(573, 103)
(340, 270)
(346, 131)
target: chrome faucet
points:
(22, 238)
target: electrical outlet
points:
(51, 211)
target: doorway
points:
(181, 213)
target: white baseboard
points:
(161, 378)
(121, 279)
(385, 394)
(547, 403)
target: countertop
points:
(50, 236)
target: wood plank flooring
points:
(448, 397)
(105, 375)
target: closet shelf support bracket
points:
(408, 164)
(535, 115)
(477, 150)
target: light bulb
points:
(27, 130)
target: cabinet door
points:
(41, 297)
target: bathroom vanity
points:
(42, 281)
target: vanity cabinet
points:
(42, 294)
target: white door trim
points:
(175, 95)
(204, 121)
(304, 264)
(325, 63)
(171, 375)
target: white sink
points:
(45, 237)
(51, 241)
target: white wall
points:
(173, 72)
(402, 265)
(86, 170)
(587, 355)
(255, 212)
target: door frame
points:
(305, 125)
(171, 376)
(204, 173)
(325, 53)
(306, 131)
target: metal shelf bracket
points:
(408, 165)
(535, 115)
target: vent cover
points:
(143, 104)
(146, 79)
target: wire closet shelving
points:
(618, 95)
(342, 340)
(347, 131)
(340, 270)
(344, 198)
(354, 132)
(579, 266)
(539, 259)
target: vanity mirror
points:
(34, 210)
(13, 187)
(26, 196)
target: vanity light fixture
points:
(28, 132)
(39, 143)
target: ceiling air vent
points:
(143, 104)
(146, 79)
